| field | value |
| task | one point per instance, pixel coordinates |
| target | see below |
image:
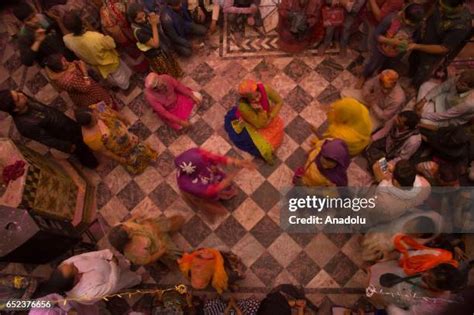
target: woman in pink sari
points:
(171, 100)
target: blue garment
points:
(242, 140)
(181, 21)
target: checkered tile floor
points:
(327, 265)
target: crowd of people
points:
(412, 143)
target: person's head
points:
(447, 175)
(85, 117)
(333, 153)
(248, 89)
(12, 101)
(136, 14)
(63, 278)
(404, 174)
(407, 119)
(156, 83)
(118, 237)
(388, 80)
(72, 22)
(413, 14)
(26, 14)
(174, 4)
(445, 277)
(448, 7)
(465, 82)
(56, 63)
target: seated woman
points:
(254, 125)
(172, 101)
(105, 131)
(299, 24)
(144, 241)
(202, 183)
(434, 274)
(208, 266)
(73, 78)
(326, 165)
(349, 121)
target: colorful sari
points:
(257, 131)
(314, 174)
(115, 138)
(173, 102)
(147, 238)
(198, 178)
(81, 91)
(350, 121)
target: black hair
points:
(446, 277)
(411, 118)
(173, 3)
(83, 117)
(7, 103)
(133, 10)
(453, 3)
(57, 283)
(72, 22)
(22, 11)
(448, 172)
(404, 173)
(414, 13)
(118, 238)
(55, 63)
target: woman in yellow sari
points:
(349, 121)
(326, 165)
(254, 125)
(105, 131)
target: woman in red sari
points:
(300, 24)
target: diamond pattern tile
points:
(202, 74)
(230, 231)
(297, 69)
(200, 131)
(131, 195)
(266, 231)
(341, 268)
(299, 129)
(266, 196)
(307, 83)
(303, 268)
(298, 99)
(266, 268)
(163, 195)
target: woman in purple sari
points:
(203, 183)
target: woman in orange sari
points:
(254, 125)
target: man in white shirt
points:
(90, 276)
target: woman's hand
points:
(153, 19)
(185, 124)
(196, 99)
